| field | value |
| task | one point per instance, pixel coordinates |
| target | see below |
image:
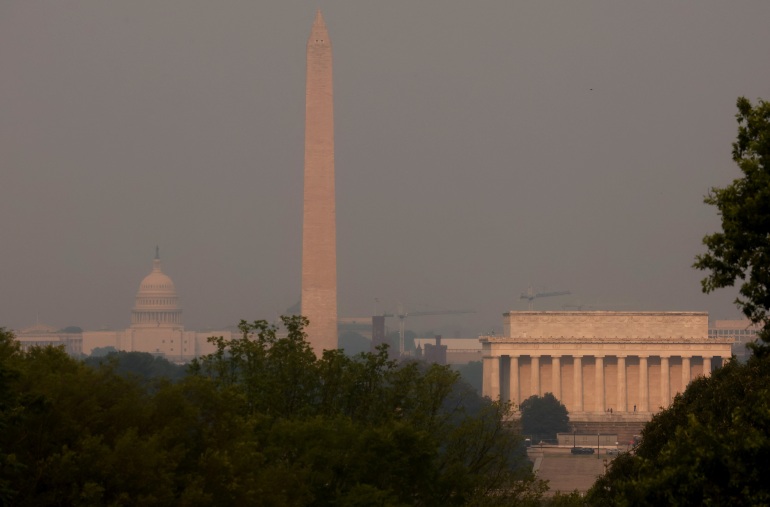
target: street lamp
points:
(574, 435)
(597, 446)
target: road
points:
(566, 472)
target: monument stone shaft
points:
(319, 249)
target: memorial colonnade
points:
(596, 362)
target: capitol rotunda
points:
(157, 304)
(156, 324)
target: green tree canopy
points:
(741, 251)
(543, 417)
(366, 429)
(143, 365)
(261, 421)
(711, 447)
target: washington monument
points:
(319, 236)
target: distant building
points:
(156, 324)
(435, 352)
(456, 350)
(379, 336)
(41, 335)
(156, 327)
(741, 330)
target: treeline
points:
(261, 421)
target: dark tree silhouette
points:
(742, 250)
(543, 417)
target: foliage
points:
(367, 428)
(143, 365)
(572, 499)
(103, 351)
(8, 406)
(261, 421)
(70, 434)
(543, 417)
(742, 250)
(710, 447)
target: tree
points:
(710, 447)
(9, 405)
(364, 429)
(78, 435)
(276, 375)
(543, 417)
(261, 421)
(103, 351)
(146, 367)
(742, 250)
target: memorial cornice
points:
(592, 313)
(620, 326)
(595, 340)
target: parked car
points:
(612, 452)
(582, 450)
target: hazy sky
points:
(480, 147)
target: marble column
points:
(556, 376)
(706, 366)
(536, 375)
(578, 379)
(665, 382)
(622, 389)
(491, 384)
(644, 386)
(686, 375)
(599, 388)
(514, 390)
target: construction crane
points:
(531, 295)
(402, 315)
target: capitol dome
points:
(157, 304)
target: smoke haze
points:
(480, 148)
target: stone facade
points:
(319, 247)
(599, 361)
(41, 335)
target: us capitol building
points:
(156, 327)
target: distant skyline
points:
(566, 146)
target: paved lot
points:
(566, 472)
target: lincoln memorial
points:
(594, 362)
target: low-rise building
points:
(742, 331)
